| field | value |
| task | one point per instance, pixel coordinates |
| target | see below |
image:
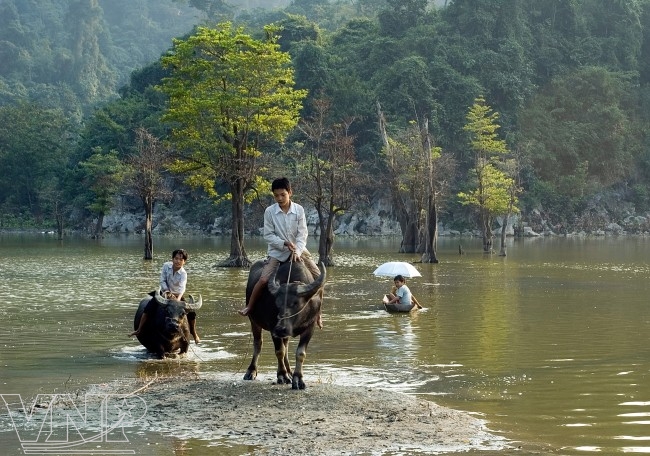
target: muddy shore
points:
(324, 419)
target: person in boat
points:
(401, 295)
(173, 281)
(285, 231)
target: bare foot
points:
(134, 333)
(319, 322)
(244, 311)
(197, 340)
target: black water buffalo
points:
(285, 311)
(165, 331)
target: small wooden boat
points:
(393, 308)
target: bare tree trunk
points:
(59, 227)
(431, 239)
(503, 235)
(58, 215)
(487, 233)
(408, 227)
(326, 238)
(502, 252)
(409, 237)
(429, 255)
(98, 227)
(326, 242)
(238, 257)
(148, 229)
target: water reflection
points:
(550, 344)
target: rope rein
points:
(286, 296)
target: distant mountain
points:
(76, 53)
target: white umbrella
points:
(393, 268)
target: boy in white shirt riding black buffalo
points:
(285, 231)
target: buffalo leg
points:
(251, 373)
(287, 366)
(301, 354)
(283, 359)
(184, 346)
(185, 341)
(160, 352)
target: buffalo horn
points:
(303, 290)
(192, 302)
(273, 285)
(160, 298)
(311, 288)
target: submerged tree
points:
(511, 167)
(492, 193)
(411, 159)
(53, 196)
(147, 180)
(429, 234)
(329, 173)
(229, 96)
(401, 165)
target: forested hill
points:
(568, 83)
(75, 54)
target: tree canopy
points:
(491, 188)
(230, 96)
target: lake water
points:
(550, 345)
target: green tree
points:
(492, 194)
(401, 15)
(615, 32)
(495, 36)
(230, 96)
(216, 10)
(556, 29)
(103, 174)
(405, 88)
(313, 67)
(35, 147)
(580, 138)
(295, 29)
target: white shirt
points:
(173, 281)
(404, 295)
(280, 227)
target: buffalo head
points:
(298, 304)
(174, 317)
